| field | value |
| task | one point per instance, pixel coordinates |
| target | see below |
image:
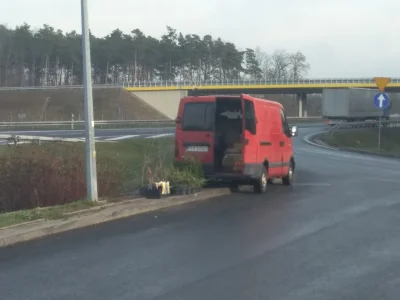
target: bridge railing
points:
(244, 82)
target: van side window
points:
(285, 125)
(250, 117)
(198, 116)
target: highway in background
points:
(333, 235)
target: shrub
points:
(187, 172)
(190, 165)
(183, 177)
(38, 176)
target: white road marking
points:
(122, 137)
(311, 184)
(159, 136)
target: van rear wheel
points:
(260, 185)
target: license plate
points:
(197, 149)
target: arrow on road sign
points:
(381, 100)
(381, 83)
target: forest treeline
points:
(50, 57)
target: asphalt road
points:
(101, 135)
(333, 235)
(116, 134)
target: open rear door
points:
(195, 136)
(250, 145)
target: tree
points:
(253, 65)
(50, 57)
(298, 66)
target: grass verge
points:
(45, 181)
(365, 139)
(47, 213)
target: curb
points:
(311, 140)
(40, 228)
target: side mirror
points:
(294, 130)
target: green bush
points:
(184, 177)
(187, 172)
(190, 165)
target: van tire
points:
(260, 185)
(288, 179)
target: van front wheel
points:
(260, 185)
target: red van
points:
(239, 139)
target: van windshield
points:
(198, 116)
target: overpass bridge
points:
(165, 95)
(307, 86)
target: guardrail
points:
(75, 125)
(58, 87)
(254, 82)
(22, 139)
(363, 125)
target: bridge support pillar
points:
(302, 100)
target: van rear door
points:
(195, 131)
(250, 149)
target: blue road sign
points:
(381, 100)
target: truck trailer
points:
(351, 104)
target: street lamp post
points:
(90, 149)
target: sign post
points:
(381, 101)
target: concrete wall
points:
(166, 102)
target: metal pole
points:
(90, 150)
(379, 132)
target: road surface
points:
(333, 235)
(118, 134)
(100, 134)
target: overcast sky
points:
(341, 38)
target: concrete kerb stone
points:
(312, 139)
(41, 228)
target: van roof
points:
(213, 97)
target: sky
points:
(341, 39)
